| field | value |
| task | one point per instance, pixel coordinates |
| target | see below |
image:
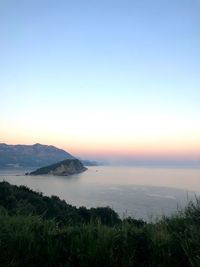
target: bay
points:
(131, 191)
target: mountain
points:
(36, 155)
(63, 168)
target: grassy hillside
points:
(40, 231)
(24, 201)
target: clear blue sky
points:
(103, 65)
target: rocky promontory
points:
(62, 168)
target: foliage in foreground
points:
(24, 201)
(35, 240)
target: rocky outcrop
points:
(62, 168)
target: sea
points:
(140, 192)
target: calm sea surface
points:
(138, 192)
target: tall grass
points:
(32, 240)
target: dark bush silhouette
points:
(41, 231)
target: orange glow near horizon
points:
(107, 148)
(104, 135)
(134, 151)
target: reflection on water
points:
(139, 192)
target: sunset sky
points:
(102, 78)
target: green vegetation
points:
(36, 230)
(24, 201)
(69, 166)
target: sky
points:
(102, 78)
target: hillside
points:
(36, 155)
(23, 201)
(62, 168)
(37, 230)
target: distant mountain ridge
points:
(36, 155)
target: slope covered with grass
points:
(39, 231)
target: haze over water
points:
(138, 192)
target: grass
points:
(34, 240)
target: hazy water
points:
(139, 192)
